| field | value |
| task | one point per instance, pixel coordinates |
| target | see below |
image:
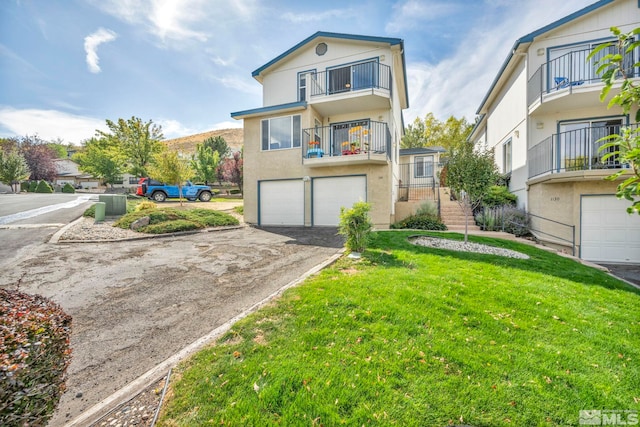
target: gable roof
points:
(422, 150)
(324, 34)
(532, 36)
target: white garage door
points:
(281, 202)
(608, 232)
(330, 194)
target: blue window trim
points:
(281, 117)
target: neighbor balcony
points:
(569, 81)
(357, 142)
(573, 152)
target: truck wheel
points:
(205, 196)
(159, 196)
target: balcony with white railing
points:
(348, 88)
(573, 152)
(570, 74)
(358, 142)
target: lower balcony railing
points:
(575, 150)
(362, 138)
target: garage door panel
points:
(608, 233)
(330, 194)
(282, 202)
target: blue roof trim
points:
(391, 41)
(270, 109)
(422, 150)
(531, 36)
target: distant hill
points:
(187, 144)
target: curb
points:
(128, 392)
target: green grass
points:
(170, 220)
(414, 336)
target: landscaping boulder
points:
(141, 222)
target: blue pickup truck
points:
(159, 191)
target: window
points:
(353, 77)
(506, 156)
(281, 132)
(350, 137)
(580, 143)
(133, 180)
(424, 167)
(117, 180)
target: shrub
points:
(32, 186)
(420, 222)
(239, 209)
(24, 186)
(145, 205)
(509, 219)
(428, 208)
(499, 196)
(355, 224)
(90, 212)
(68, 188)
(34, 355)
(43, 187)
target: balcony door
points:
(349, 137)
(580, 143)
(353, 77)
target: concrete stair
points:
(452, 214)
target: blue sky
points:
(67, 65)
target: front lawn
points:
(414, 336)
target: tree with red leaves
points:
(39, 157)
(230, 170)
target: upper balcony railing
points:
(367, 75)
(569, 71)
(362, 138)
(574, 150)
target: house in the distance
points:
(328, 132)
(543, 117)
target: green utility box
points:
(99, 214)
(116, 204)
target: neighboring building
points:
(68, 172)
(328, 133)
(418, 179)
(543, 117)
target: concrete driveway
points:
(136, 303)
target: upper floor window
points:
(506, 156)
(353, 77)
(281, 132)
(305, 81)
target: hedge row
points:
(34, 356)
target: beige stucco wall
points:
(560, 201)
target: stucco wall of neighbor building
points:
(560, 201)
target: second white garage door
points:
(281, 202)
(330, 194)
(608, 232)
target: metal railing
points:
(567, 72)
(574, 150)
(571, 241)
(362, 138)
(417, 181)
(368, 75)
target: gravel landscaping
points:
(457, 245)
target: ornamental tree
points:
(616, 69)
(204, 163)
(171, 168)
(13, 168)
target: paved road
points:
(134, 304)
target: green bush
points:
(145, 205)
(499, 196)
(90, 212)
(355, 224)
(171, 227)
(32, 186)
(234, 191)
(428, 208)
(163, 220)
(34, 355)
(420, 222)
(43, 187)
(68, 188)
(24, 186)
(509, 219)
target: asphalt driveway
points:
(136, 303)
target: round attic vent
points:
(321, 49)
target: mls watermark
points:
(608, 417)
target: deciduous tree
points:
(139, 141)
(615, 68)
(232, 169)
(470, 174)
(101, 158)
(13, 168)
(431, 132)
(219, 144)
(39, 158)
(204, 163)
(171, 168)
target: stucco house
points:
(328, 132)
(543, 117)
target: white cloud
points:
(91, 43)
(236, 124)
(298, 18)
(457, 84)
(48, 124)
(413, 13)
(238, 83)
